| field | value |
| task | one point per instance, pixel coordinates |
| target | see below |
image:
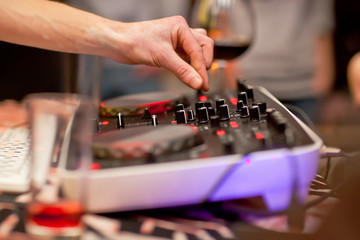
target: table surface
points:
(206, 221)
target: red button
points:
(220, 132)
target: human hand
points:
(169, 43)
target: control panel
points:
(165, 149)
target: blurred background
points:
(26, 70)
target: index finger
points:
(193, 49)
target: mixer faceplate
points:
(135, 104)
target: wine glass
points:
(230, 23)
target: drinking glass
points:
(60, 127)
(230, 23)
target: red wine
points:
(229, 50)
(54, 219)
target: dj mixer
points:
(165, 149)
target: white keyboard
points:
(14, 159)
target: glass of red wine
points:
(230, 23)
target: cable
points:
(332, 192)
(327, 168)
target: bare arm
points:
(55, 26)
(354, 78)
(323, 80)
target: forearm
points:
(324, 65)
(58, 27)
(353, 73)
(55, 26)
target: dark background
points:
(347, 36)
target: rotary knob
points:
(215, 121)
(180, 117)
(219, 102)
(254, 113)
(224, 112)
(207, 104)
(242, 96)
(190, 116)
(147, 114)
(179, 107)
(211, 111)
(277, 121)
(241, 84)
(239, 105)
(202, 115)
(250, 93)
(197, 106)
(244, 112)
(262, 107)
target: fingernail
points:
(197, 83)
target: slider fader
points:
(165, 149)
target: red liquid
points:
(62, 214)
(229, 50)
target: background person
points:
(292, 54)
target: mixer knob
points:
(280, 125)
(147, 114)
(179, 107)
(197, 106)
(241, 84)
(215, 121)
(277, 121)
(250, 93)
(180, 117)
(269, 111)
(190, 116)
(254, 113)
(239, 105)
(244, 112)
(242, 96)
(262, 107)
(211, 111)
(207, 104)
(202, 115)
(120, 121)
(224, 112)
(244, 87)
(219, 102)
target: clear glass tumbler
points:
(60, 125)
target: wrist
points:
(110, 39)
